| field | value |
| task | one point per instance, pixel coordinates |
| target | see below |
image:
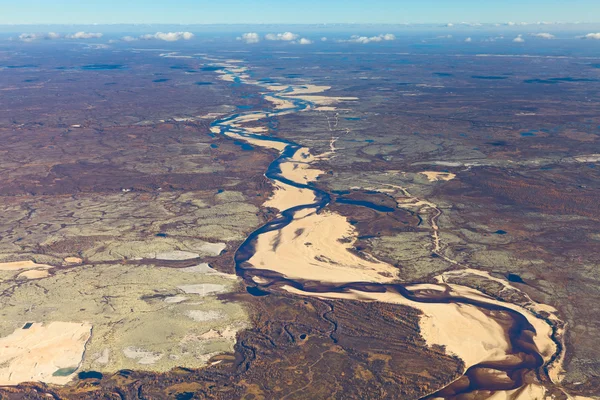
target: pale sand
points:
(280, 104)
(203, 289)
(227, 77)
(434, 176)
(326, 108)
(463, 329)
(19, 265)
(175, 255)
(269, 144)
(286, 196)
(256, 129)
(143, 357)
(589, 158)
(297, 168)
(210, 115)
(543, 337)
(325, 100)
(306, 89)
(34, 274)
(73, 260)
(310, 248)
(299, 172)
(35, 354)
(213, 249)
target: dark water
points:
(28, 325)
(443, 74)
(90, 375)
(245, 146)
(500, 232)
(528, 134)
(214, 146)
(64, 371)
(368, 204)
(21, 66)
(541, 81)
(203, 83)
(161, 80)
(254, 291)
(489, 77)
(498, 143)
(161, 234)
(212, 68)
(515, 278)
(102, 67)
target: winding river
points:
(509, 350)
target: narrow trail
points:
(507, 349)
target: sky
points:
(295, 12)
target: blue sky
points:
(298, 11)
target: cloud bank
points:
(84, 35)
(286, 36)
(543, 35)
(595, 36)
(250, 37)
(519, 39)
(372, 39)
(168, 36)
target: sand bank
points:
(435, 176)
(287, 196)
(19, 265)
(45, 353)
(316, 247)
(463, 329)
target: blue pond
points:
(245, 146)
(489, 77)
(102, 67)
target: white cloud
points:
(323, 39)
(365, 39)
(519, 39)
(592, 36)
(305, 41)
(30, 37)
(450, 25)
(168, 36)
(543, 35)
(128, 39)
(250, 37)
(468, 40)
(286, 36)
(510, 24)
(84, 35)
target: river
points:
(509, 350)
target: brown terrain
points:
(115, 187)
